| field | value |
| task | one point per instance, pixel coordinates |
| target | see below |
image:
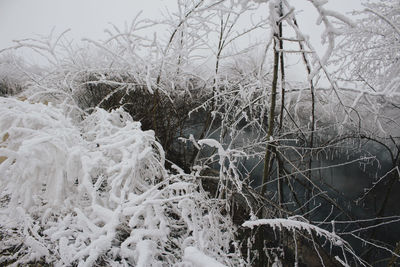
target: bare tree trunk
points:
(282, 66)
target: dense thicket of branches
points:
(159, 149)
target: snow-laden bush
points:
(97, 193)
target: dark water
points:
(346, 176)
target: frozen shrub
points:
(97, 193)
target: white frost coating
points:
(226, 156)
(97, 193)
(341, 261)
(273, 15)
(37, 152)
(148, 81)
(199, 259)
(370, 50)
(213, 143)
(277, 263)
(330, 31)
(297, 225)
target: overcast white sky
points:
(87, 18)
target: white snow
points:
(97, 190)
(199, 259)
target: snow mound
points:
(97, 193)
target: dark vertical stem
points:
(280, 171)
(282, 67)
(268, 151)
(282, 71)
(178, 65)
